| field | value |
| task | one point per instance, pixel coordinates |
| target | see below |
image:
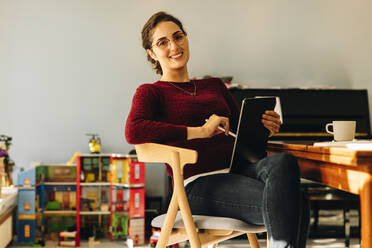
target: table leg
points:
(366, 212)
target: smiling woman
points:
(173, 111)
(170, 48)
(161, 39)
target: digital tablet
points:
(252, 135)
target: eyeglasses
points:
(164, 43)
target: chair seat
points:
(212, 222)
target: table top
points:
(340, 155)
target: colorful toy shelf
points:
(110, 196)
(101, 197)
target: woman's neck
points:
(177, 76)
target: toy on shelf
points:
(56, 224)
(94, 143)
(2, 168)
(67, 239)
(90, 196)
(95, 198)
(90, 169)
(6, 163)
(72, 160)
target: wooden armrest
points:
(157, 153)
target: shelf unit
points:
(93, 172)
(112, 171)
(72, 197)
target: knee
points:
(286, 165)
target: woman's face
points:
(170, 47)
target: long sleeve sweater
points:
(161, 113)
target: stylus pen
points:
(223, 129)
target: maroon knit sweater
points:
(161, 113)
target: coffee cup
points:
(342, 130)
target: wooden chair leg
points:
(166, 229)
(184, 205)
(253, 240)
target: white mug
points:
(342, 130)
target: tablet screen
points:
(252, 135)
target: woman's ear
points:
(152, 54)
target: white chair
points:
(177, 226)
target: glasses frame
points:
(177, 42)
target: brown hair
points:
(147, 32)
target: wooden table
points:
(338, 167)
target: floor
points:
(239, 243)
(329, 222)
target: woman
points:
(173, 111)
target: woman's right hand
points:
(210, 128)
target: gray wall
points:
(71, 67)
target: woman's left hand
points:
(271, 120)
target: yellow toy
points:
(94, 143)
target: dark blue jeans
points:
(267, 192)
